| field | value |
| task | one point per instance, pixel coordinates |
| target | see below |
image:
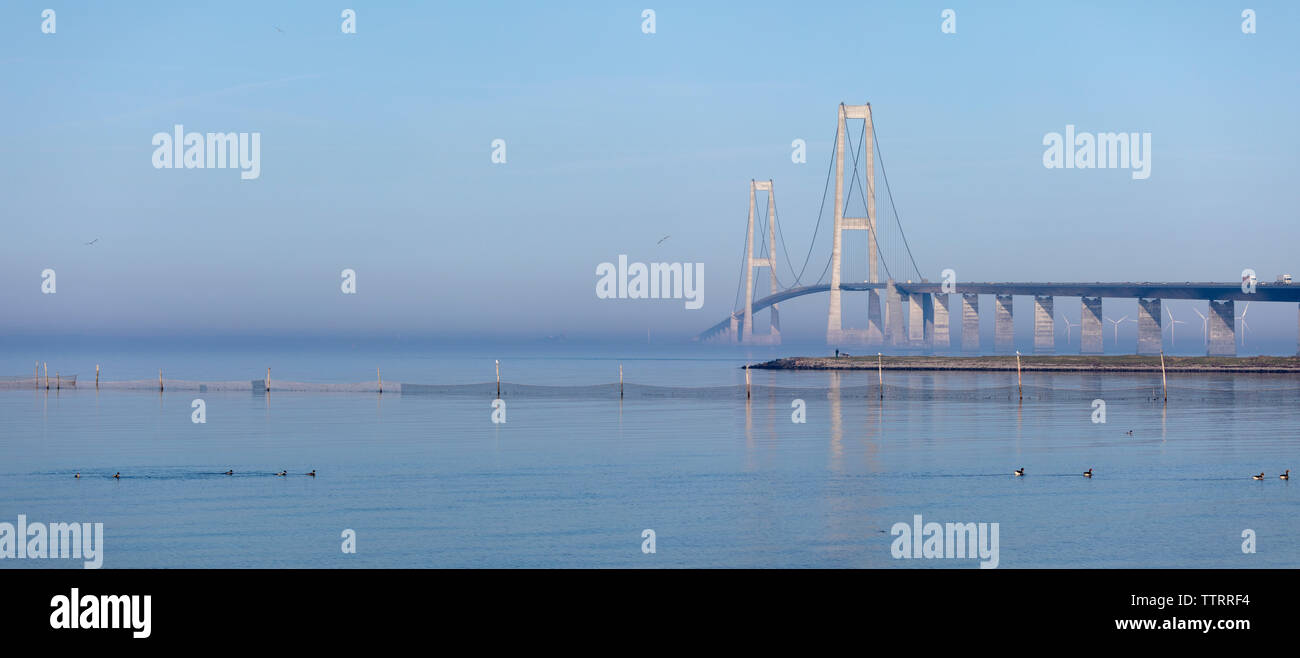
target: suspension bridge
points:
(906, 311)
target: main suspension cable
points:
(897, 220)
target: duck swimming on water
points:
(117, 475)
(77, 476)
(1286, 475)
(229, 472)
(282, 473)
(1020, 471)
(312, 473)
(1258, 477)
(1087, 473)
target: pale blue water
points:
(571, 480)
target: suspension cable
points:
(848, 137)
(740, 283)
(891, 201)
(821, 210)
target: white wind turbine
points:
(1068, 326)
(1205, 325)
(1116, 324)
(1173, 342)
(1244, 310)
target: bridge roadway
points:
(1264, 292)
(922, 296)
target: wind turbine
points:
(1244, 310)
(1173, 342)
(1205, 325)
(1116, 323)
(1069, 326)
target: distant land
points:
(1070, 363)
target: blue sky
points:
(376, 154)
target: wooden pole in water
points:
(381, 380)
(1019, 382)
(268, 379)
(880, 372)
(1163, 379)
(160, 384)
(58, 383)
(746, 381)
(620, 380)
(47, 375)
(498, 377)
(96, 376)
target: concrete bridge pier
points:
(927, 311)
(1150, 338)
(1090, 335)
(915, 320)
(894, 315)
(1044, 325)
(1004, 330)
(1223, 334)
(875, 324)
(970, 322)
(942, 336)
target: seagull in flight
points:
(92, 242)
(277, 29)
(661, 240)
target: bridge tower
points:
(835, 331)
(773, 337)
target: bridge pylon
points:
(836, 334)
(752, 262)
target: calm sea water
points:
(573, 480)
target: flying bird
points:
(277, 29)
(661, 240)
(92, 242)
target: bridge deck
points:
(1264, 292)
